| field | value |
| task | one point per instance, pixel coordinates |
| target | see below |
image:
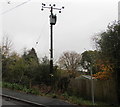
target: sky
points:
(76, 25)
(119, 10)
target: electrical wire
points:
(15, 7)
(8, 1)
(41, 31)
(36, 43)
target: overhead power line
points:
(8, 1)
(15, 7)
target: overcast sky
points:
(75, 27)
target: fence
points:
(103, 90)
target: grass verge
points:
(63, 96)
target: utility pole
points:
(53, 19)
(92, 81)
(92, 85)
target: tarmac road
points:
(6, 102)
(49, 102)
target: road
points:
(43, 101)
(11, 102)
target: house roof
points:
(84, 77)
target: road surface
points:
(11, 102)
(46, 101)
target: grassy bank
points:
(63, 96)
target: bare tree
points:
(70, 61)
(6, 46)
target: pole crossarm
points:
(51, 6)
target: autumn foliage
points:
(105, 71)
(103, 75)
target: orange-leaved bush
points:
(105, 71)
